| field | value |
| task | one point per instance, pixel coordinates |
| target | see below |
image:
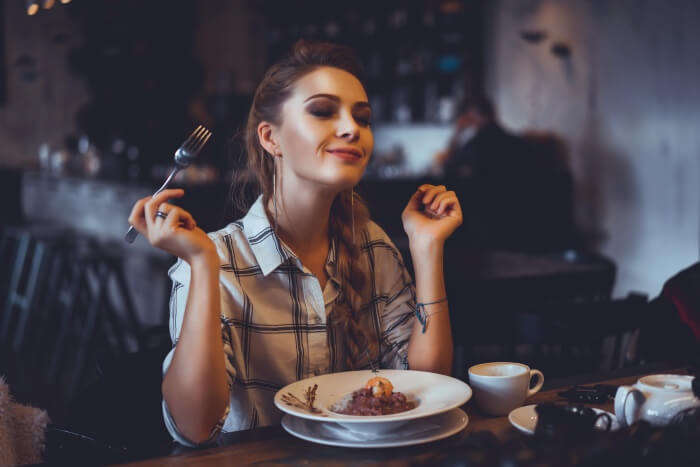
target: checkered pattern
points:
(276, 322)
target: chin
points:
(349, 182)
(346, 179)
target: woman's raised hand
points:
(431, 215)
(171, 228)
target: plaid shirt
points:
(276, 320)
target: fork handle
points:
(132, 233)
(168, 180)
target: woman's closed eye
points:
(364, 119)
(324, 111)
(321, 111)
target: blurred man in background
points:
(517, 190)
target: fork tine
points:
(196, 141)
(202, 142)
(194, 135)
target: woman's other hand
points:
(177, 233)
(431, 215)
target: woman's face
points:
(325, 136)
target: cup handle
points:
(540, 382)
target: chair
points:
(569, 338)
(116, 418)
(28, 253)
(671, 327)
(90, 311)
(29, 256)
(67, 299)
(497, 296)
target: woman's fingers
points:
(136, 217)
(452, 208)
(430, 192)
(415, 202)
(186, 219)
(442, 201)
(177, 217)
(435, 200)
(152, 205)
(172, 221)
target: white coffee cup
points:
(500, 387)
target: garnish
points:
(309, 395)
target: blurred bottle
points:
(60, 159)
(44, 154)
(378, 103)
(431, 97)
(133, 169)
(401, 103)
(449, 59)
(89, 159)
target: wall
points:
(42, 94)
(230, 42)
(419, 143)
(627, 102)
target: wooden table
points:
(273, 445)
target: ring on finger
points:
(161, 214)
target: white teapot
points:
(655, 398)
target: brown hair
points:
(274, 89)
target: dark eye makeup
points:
(365, 118)
(328, 109)
(321, 109)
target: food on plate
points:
(376, 398)
(380, 386)
(308, 402)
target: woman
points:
(304, 284)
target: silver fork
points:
(372, 364)
(184, 155)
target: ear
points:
(266, 136)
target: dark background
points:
(557, 268)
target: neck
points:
(303, 215)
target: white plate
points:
(525, 419)
(433, 393)
(420, 431)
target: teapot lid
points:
(679, 383)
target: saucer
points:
(525, 419)
(423, 430)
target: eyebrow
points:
(337, 99)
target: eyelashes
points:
(327, 112)
(364, 121)
(321, 112)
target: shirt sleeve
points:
(395, 285)
(180, 275)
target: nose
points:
(347, 127)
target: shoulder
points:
(235, 243)
(231, 234)
(376, 234)
(229, 241)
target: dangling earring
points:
(274, 195)
(352, 212)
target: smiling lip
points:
(346, 153)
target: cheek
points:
(369, 142)
(301, 139)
